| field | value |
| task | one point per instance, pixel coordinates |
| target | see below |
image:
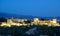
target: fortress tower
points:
(9, 21)
(54, 20)
(36, 20)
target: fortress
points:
(52, 22)
(36, 21)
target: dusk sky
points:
(31, 7)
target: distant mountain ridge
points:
(8, 15)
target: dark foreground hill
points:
(21, 31)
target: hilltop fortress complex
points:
(25, 22)
(52, 22)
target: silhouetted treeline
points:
(28, 21)
(3, 19)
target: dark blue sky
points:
(31, 7)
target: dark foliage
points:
(28, 21)
(20, 31)
(3, 20)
